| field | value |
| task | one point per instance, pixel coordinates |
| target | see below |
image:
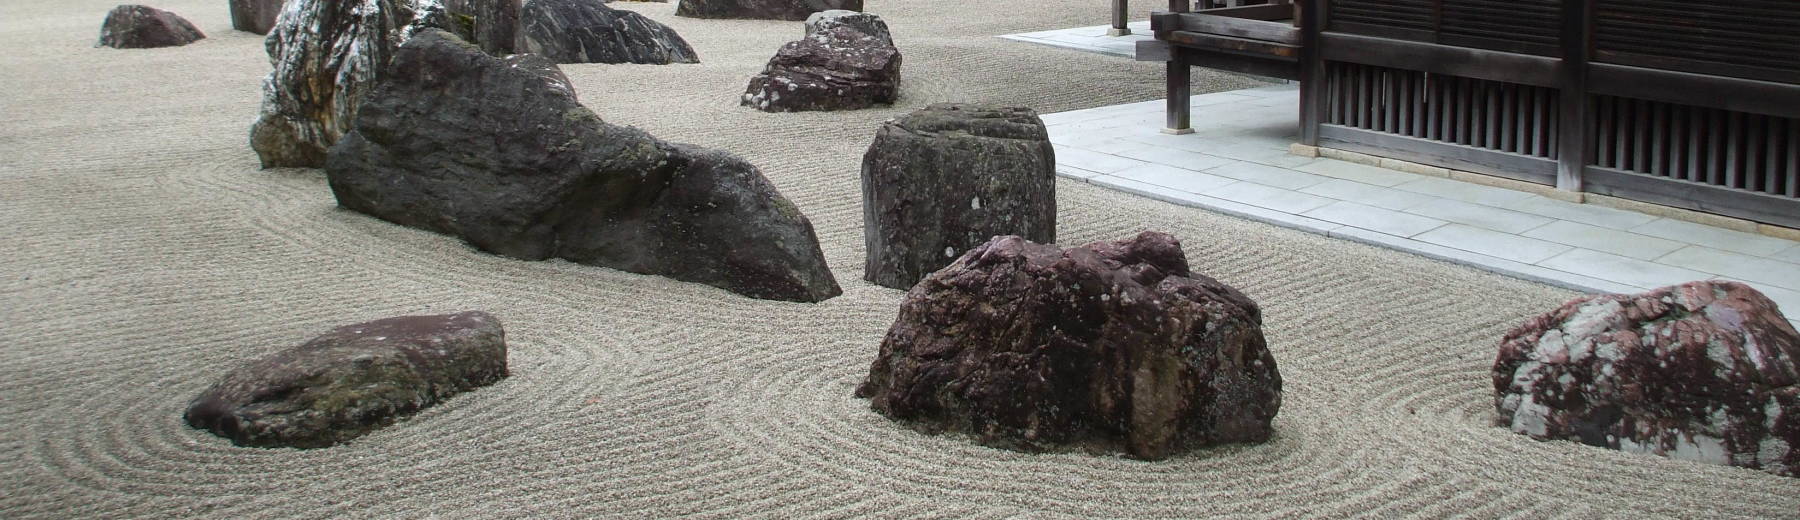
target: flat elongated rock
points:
(327, 55)
(352, 380)
(255, 16)
(1112, 346)
(1706, 371)
(949, 177)
(141, 27)
(846, 61)
(499, 152)
(587, 31)
(795, 10)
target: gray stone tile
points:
(1071, 171)
(1477, 215)
(1266, 197)
(1171, 177)
(1630, 271)
(1608, 240)
(1093, 161)
(1484, 262)
(1266, 175)
(1375, 219)
(1493, 243)
(1464, 191)
(1791, 255)
(1584, 213)
(1357, 172)
(1172, 157)
(1744, 267)
(1717, 238)
(1377, 196)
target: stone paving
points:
(1238, 162)
(1090, 39)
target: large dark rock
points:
(254, 16)
(352, 380)
(1706, 371)
(327, 55)
(761, 9)
(1108, 346)
(949, 177)
(587, 31)
(140, 27)
(846, 61)
(499, 152)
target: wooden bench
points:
(1262, 39)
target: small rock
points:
(794, 10)
(1112, 346)
(254, 16)
(846, 61)
(950, 177)
(352, 380)
(140, 27)
(1706, 371)
(587, 31)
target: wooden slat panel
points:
(1743, 38)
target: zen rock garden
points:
(453, 116)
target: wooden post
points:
(1118, 19)
(1573, 148)
(1176, 110)
(1311, 15)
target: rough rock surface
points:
(327, 55)
(499, 152)
(949, 177)
(489, 24)
(352, 380)
(141, 27)
(846, 61)
(587, 31)
(761, 9)
(1706, 371)
(254, 16)
(1108, 346)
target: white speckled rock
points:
(327, 55)
(846, 61)
(1703, 371)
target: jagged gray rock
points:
(428, 151)
(326, 55)
(141, 27)
(352, 380)
(949, 177)
(587, 31)
(846, 61)
(254, 16)
(794, 10)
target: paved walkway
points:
(1090, 39)
(1238, 162)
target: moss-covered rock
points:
(352, 380)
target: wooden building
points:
(1692, 104)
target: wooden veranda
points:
(1688, 104)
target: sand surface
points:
(146, 254)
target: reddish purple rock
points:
(1112, 346)
(140, 27)
(1702, 371)
(847, 61)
